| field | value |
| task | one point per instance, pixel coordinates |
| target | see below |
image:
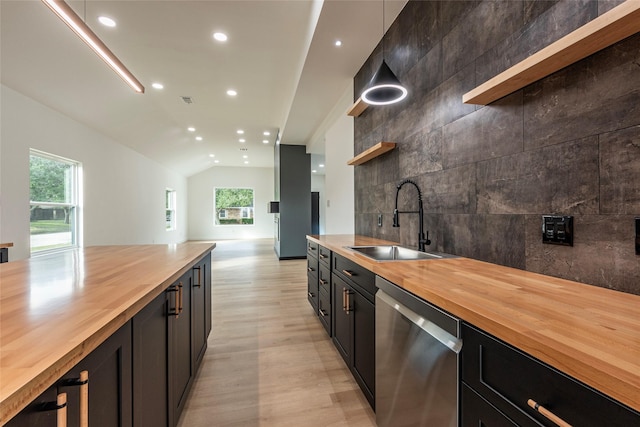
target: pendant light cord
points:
(383, 30)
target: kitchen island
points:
(56, 309)
(589, 333)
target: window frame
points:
(170, 202)
(73, 204)
(249, 210)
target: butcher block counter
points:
(590, 333)
(55, 309)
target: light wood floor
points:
(269, 361)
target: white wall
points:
(123, 190)
(339, 193)
(200, 205)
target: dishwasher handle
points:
(444, 337)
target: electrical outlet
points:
(557, 230)
(379, 220)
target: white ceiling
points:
(280, 57)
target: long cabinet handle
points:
(348, 273)
(346, 301)
(348, 294)
(197, 285)
(61, 410)
(180, 305)
(84, 399)
(173, 311)
(83, 382)
(548, 414)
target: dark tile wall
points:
(568, 144)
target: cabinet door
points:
(341, 318)
(150, 350)
(180, 358)
(40, 413)
(200, 274)
(108, 385)
(478, 412)
(312, 291)
(364, 344)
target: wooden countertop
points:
(56, 309)
(6, 245)
(588, 332)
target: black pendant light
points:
(384, 88)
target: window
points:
(170, 209)
(53, 194)
(233, 206)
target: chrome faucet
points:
(422, 240)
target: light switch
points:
(557, 230)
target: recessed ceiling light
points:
(198, 138)
(266, 133)
(216, 161)
(265, 141)
(242, 140)
(314, 171)
(232, 92)
(338, 43)
(157, 85)
(240, 131)
(321, 165)
(245, 157)
(191, 129)
(212, 155)
(106, 21)
(221, 37)
(246, 162)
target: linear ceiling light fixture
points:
(73, 21)
(384, 88)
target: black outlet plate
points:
(637, 236)
(557, 230)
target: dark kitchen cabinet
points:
(150, 362)
(101, 383)
(324, 296)
(201, 286)
(108, 370)
(506, 378)
(180, 352)
(164, 359)
(353, 304)
(342, 328)
(312, 275)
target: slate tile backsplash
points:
(568, 144)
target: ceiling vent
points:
(244, 149)
(187, 99)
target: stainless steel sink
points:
(396, 253)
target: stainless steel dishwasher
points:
(417, 347)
